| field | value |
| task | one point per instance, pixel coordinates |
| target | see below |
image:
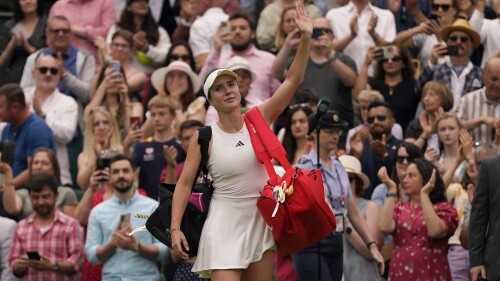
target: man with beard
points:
(47, 245)
(124, 257)
(239, 36)
(380, 149)
(27, 130)
(59, 111)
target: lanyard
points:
(330, 196)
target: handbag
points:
(294, 205)
(158, 223)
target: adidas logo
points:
(239, 144)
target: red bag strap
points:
(265, 142)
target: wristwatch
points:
(55, 267)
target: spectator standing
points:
(151, 41)
(239, 38)
(486, 28)
(8, 227)
(421, 226)
(89, 19)
(331, 74)
(108, 242)
(18, 202)
(59, 111)
(56, 237)
(368, 26)
(380, 148)
(27, 130)
(21, 36)
(457, 71)
(149, 155)
(436, 98)
(269, 21)
(480, 110)
(394, 78)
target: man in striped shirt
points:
(480, 109)
(48, 244)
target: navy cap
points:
(331, 119)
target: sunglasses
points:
(444, 7)
(57, 31)
(401, 159)
(44, 69)
(371, 119)
(293, 106)
(393, 59)
(454, 38)
(182, 57)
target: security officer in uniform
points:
(339, 194)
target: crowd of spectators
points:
(99, 100)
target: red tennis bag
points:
(294, 205)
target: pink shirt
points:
(60, 241)
(96, 16)
(264, 85)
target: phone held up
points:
(33, 255)
(124, 220)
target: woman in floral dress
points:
(421, 226)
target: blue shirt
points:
(30, 135)
(335, 180)
(123, 265)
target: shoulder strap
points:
(204, 137)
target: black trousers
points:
(305, 262)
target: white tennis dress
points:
(234, 234)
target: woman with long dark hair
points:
(150, 40)
(21, 36)
(393, 77)
(420, 226)
(295, 139)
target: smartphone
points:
(116, 67)
(225, 26)
(435, 17)
(8, 148)
(317, 32)
(387, 52)
(33, 255)
(135, 122)
(452, 50)
(124, 220)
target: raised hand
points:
(372, 24)
(385, 179)
(353, 25)
(429, 186)
(302, 19)
(379, 146)
(292, 39)
(467, 144)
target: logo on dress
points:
(240, 144)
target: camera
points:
(7, 148)
(104, 160)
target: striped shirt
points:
(62, 240)
(475, 105)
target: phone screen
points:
(452, 50)
(135, 122)
(124, 220)
(33, 255)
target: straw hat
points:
(352, 165)
(464, 26)
(158, 77)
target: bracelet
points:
(370, 243)
(391, 194)
(175, 228)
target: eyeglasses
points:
(59, 30)
(393, 59)
(122, 46)
(401, 159)
(293, 106)
(454, 38)
(44, 69)
(371, 119)
(182, 57)
(444, 7)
